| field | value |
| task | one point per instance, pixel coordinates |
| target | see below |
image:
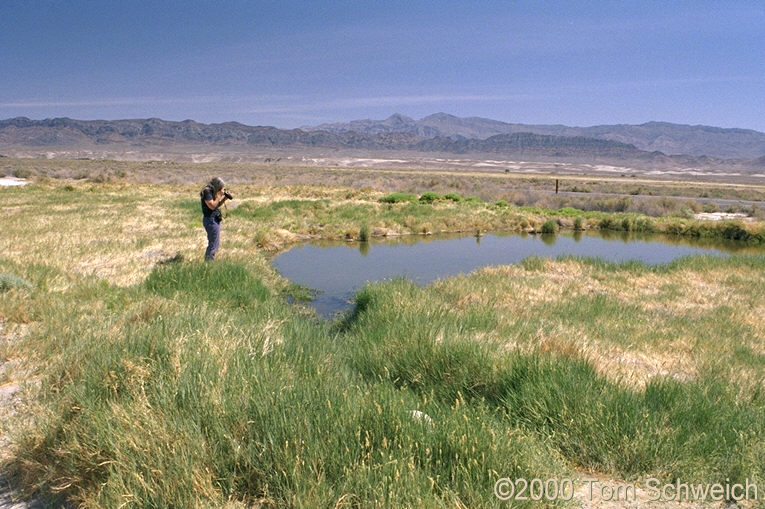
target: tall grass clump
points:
(736, 231)
(364, 233)
(423, 355)
(219, 281)
(407, 337)
(9, 281)
(729, 230)
(599, 425)
(550, 226)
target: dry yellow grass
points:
(652, 339)
(113, 232)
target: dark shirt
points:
(207, 194)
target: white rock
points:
(421, 416)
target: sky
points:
(295, 63)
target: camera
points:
(228, 195)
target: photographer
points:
(213, 196)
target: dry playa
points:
(12, 181)
(721, 216)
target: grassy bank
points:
(167, 394)
(164, 382)
(118, 231)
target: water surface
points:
(336, 270)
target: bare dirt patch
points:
(599, 491)
(11, 377)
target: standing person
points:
(213, 196)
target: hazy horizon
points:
(352, 120)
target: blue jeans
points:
(213, 237)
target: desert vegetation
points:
(151, 379)
(655, 197)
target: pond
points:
(336, 270)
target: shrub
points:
(735, 231)
(685, 213)
(578, 223)
(473, 199)
(675, 228)
(452, 197)
(607, 223)
(614, 204)
(22, 173)
(569, 211)
(430, 197)
(99, 179)
(643, 225)
(550, 226)
(398, 198)
(12, 281)
(501, 204)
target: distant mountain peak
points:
(436, 133)
(652, 136)
(399, 119)
(439, 116)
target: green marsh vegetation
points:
(653, 197)
(162, 381)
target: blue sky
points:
(292, 63)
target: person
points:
(213, 196)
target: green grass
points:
(430, 197)
(364, 233)
(191, 384)
(352, 219)
(240, 400)
(12, 281)
(398, 198)
(231, 404)
(224, 282)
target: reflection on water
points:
(337, 269)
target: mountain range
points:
(688, 146)
(665, 137)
